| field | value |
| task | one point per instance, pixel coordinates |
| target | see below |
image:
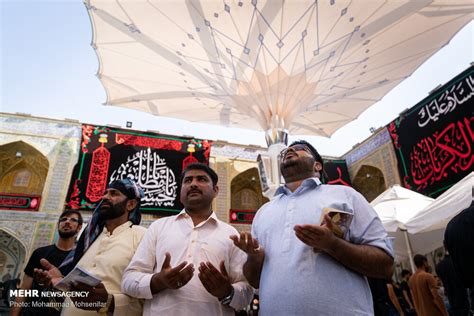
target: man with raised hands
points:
(289, 248)
(186, 264)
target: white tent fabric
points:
(437, 215)
(424, 226)
(421, 243)
(306, 66)
(397, 205)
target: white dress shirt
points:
(208, 241)
(107, 258)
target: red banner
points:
(19, 202)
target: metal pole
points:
(276, 138)
(410, 251)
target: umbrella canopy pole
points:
(276, 138)
(410, 251)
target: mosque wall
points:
(37, 156)
(373, 165)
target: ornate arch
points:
(18, 159)
(369, 181)
(246, 192)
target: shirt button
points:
(94, 265)
(193, 241)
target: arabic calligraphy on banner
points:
(150, 172)
(447, 102)
(154, 161)
(434, 141)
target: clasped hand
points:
(319, 237)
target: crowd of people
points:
(195, 264)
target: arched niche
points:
(246, 192)
(23, 169)
(369, 181)
(12, 254)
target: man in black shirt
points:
(459, 235)
(406, 289)
(457, 294)
(69, 225)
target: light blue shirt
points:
(297, 281)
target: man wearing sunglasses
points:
(290, 247)
(69, 225)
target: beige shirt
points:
(107, 258)
(208, 241)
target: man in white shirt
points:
(162, 270)
(289, 248)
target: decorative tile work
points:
(36, 126)
(365, 149)
(21, 229)
(44, 234)
(57, 140)
(61, 172)
(221, 202)
(236, 152)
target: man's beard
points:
(67, 235)
(298, 168)
(114, 211)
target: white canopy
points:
(421, 228)
(421, 243)
(397, 205)
(306, 66)
(437, 215)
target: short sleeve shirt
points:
(295, 280)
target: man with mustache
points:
(105, 249)
(163, 270)
(289, 248)
(69, 225)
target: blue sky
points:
(48, 69)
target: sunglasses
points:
(296, 147)
(71, 219)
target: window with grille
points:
(22, 178)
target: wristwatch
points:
(227, 299)
(104, 310)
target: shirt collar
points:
(309, 183)
(120, 228)
(183, 215)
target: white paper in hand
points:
(75, 276)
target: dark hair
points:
(313, 150)
(200, 166)
(405, 272)
(69, 212)
(419, 260)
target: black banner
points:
(335, 172)
(434, 140)
(153, 161)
